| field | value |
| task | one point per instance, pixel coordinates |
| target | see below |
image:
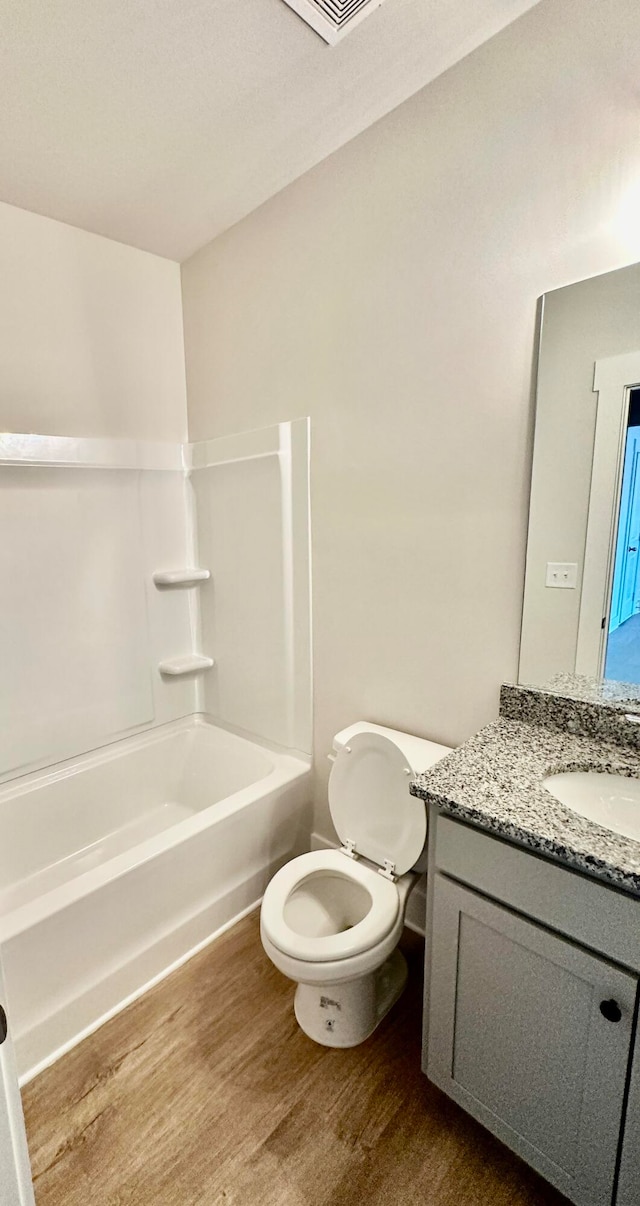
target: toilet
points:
(331, 920)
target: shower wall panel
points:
(85, 524)
(82, 626)
(252, 508)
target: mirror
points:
(581, 611)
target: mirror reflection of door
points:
(608, 631)
(622, 660)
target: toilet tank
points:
(419, 753)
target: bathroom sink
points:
(610, 800)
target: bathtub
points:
(118, 865)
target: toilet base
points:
(343, 1015)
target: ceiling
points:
(160, 123)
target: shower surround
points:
(155, 730)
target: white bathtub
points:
(117, 865)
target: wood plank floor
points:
(206, 1092)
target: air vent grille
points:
(340, 11)
(332, 19)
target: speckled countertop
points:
(494, 781)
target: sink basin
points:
(610, 800)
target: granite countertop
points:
(494, 781)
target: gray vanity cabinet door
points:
(516, 1035)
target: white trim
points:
(68, 452)
(286, 514)
(15, 1170)
(244, 446)
(613, 377)
(294, 443)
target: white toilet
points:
(331, 920)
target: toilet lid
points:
(370, 802)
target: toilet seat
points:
(373, 928)
(370, 804)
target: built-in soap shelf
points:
(189, 663)
(181, 577)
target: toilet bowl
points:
(331, 920)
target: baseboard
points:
(417, 906)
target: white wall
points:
(391, 294)
(91, 334)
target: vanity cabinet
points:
(527, 1028)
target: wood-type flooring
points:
(206, 1093)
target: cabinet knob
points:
(610, 1010)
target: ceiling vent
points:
(332, 19)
